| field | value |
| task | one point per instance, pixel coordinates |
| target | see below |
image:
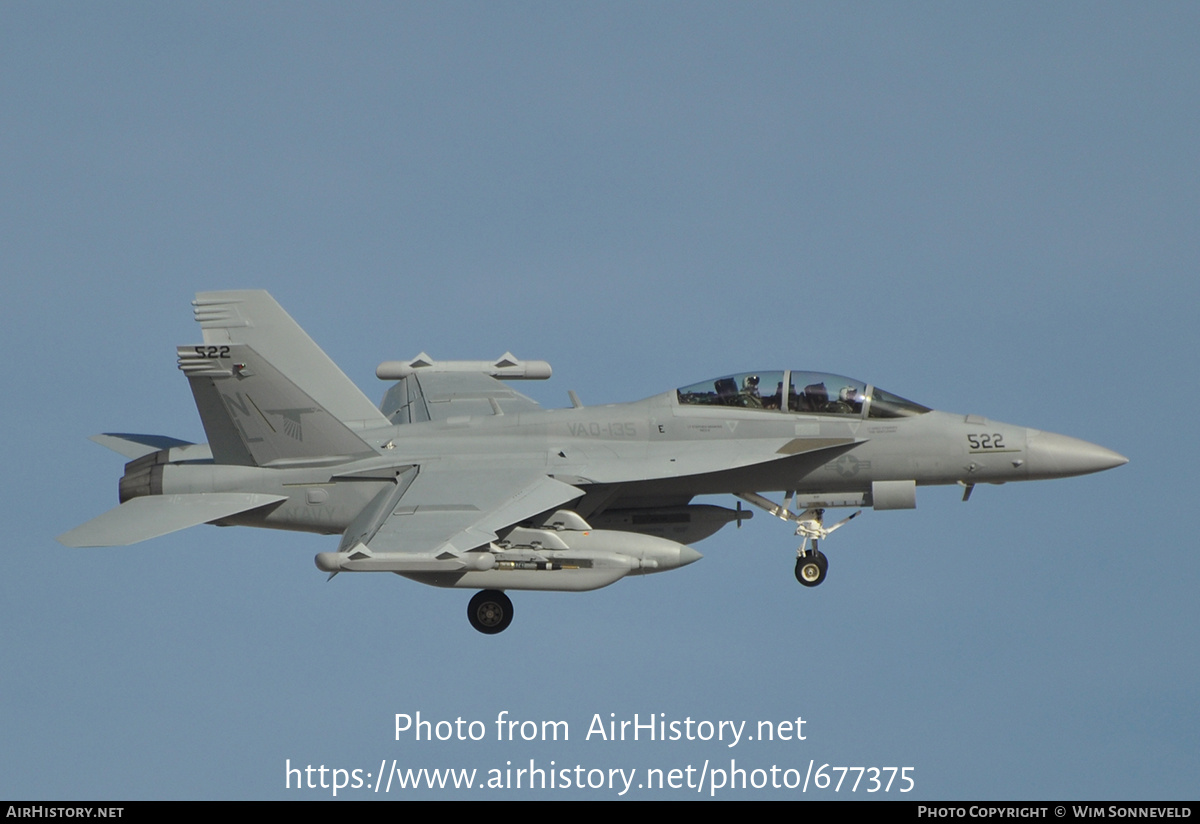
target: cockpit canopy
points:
(814, 393)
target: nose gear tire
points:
(811, 568)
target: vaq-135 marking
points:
(457, 480)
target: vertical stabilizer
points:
(265, 392)
(254, 318)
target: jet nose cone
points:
(687, 555)
(1057, 456)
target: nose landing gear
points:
(811, 565)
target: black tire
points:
(811, 568)
(490, 611)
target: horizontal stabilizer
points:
(152, 515)
(135, 446)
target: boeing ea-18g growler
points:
(457, 480)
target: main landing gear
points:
(490, 611)
(811, 564)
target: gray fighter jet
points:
(457, 480)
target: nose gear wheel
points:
(811, 568)
(811, 565)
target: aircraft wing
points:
(438, 512)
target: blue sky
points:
(987, 208)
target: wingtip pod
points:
(507, 367)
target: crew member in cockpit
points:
(851, 399)
(749, 394)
